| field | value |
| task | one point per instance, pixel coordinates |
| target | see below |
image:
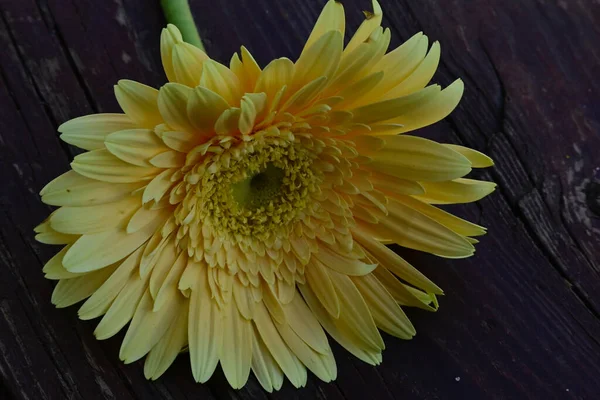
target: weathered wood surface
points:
(519, 320)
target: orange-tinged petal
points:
(312, 65)
(221, 80)
(172, 105)
(187, 64)
(204, 108)
(139, 102)
(169, 37)
(277, 74)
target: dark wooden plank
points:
(520, 319)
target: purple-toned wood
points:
(520, 319)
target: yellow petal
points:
(331, 18)
(388, 316)
(415, 158)
(158, 186)
(88, 132)
(319, 281)
(121, 310)
(189, 277)
(187, 64)
(54, 269)
(148, 327)
(135, 146)
(273, 305)
(236, 350)
(104, 166)
(181, 141)
(204, 329)
(404, 294)
(355, 315)
(433, 111)
(101, 300)
(388, 183)
(169, 37)
(173, 103)
(94, 219)
(204, 108)
(289, 363)
(169, 286)
(312, 65)
(477, 159)
(401, 62)
(228, 122)
(251, 67)
(154, 249)
(304, 96)
(392, 109)
(221, 80)
(456, 191)
(286, 290)
(425, 298)
(396, 264)
(358, 89)
(252, 105)
(168, 347)
(140, 218)
(322, 365)
(70, 291)
(139, 102)
(412, 229)
(366, 28)
(247, 70)
(277, 74)
(342, 264)
(98, 250)
(420, 77)
(243, 299)
(359, 63)
(50, 236)
(164, 263)
(453, 222)
(264, 366)
(345, 338)
(305, 325)
(168, 159)
(366, 214)
(72, 189)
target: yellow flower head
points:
(240, 213)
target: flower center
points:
(254, 190)
(260, 189)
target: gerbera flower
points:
(240, 213)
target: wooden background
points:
(519, 320)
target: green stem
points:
(178, 13)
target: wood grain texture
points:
(520, 319)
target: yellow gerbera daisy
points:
(240, 213)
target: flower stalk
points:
(178, 13)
